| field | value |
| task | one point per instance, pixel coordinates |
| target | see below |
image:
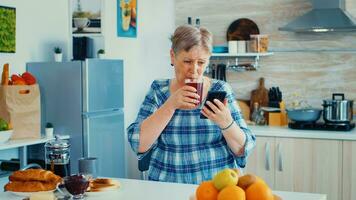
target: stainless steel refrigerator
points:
(84, 99)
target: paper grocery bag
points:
(21, 105)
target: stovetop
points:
(321, 126)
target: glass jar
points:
(57, 158)
(258, 43)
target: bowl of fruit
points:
(5, 131)
(230, 184)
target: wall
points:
(145, 57)
(313, 65)
(40, 26)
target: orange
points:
(232, 192)
(259, 191)
(206, 191)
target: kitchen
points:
(326, 59)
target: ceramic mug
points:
(88, 166)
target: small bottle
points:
(254, 115)
(197, 22)
(190, 20)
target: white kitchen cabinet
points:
(300, 165)
(309, 165)
(349, 170)
(261, 161)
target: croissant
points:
(30, 186)
(35, 175)
(103, 184)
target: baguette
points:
(5, 75)
(30, 186)
(35, 175)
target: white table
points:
(149, 190)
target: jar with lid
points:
(57, 159)
(258, 43)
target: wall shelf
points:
(256, 56)
(242, 54)
(87, 35)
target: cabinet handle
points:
(280, 159)
(267, 157)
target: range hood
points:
(326, 16)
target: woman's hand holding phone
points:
(216, 109)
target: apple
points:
(225, 178)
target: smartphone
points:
(220, 95)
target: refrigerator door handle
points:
(116, 111)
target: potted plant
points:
(101, 53)
(49, 130)
(58, 54)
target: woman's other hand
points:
(220, 115)
(185, 97)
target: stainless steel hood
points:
(326, 16)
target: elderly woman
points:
(186, 148)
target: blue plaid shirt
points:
(189, 149)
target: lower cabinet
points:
(261, 161)
(349, 170)
(300, 165)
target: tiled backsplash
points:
(313, 65)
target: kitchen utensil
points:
(304, 115)
(241, 29)
(57, 158)
(221, 72)
(274, 97)
(259, 95)
(338, 110)
(88, 167)
(220, 49)
(245, 109)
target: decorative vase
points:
(101, 55)
(49, 132)
(58, 57)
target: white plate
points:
(28, 194)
